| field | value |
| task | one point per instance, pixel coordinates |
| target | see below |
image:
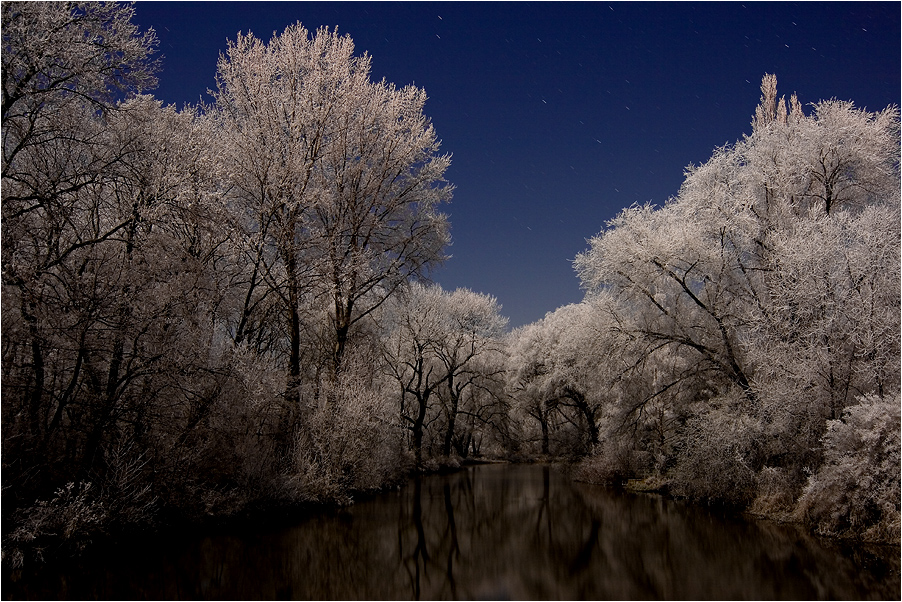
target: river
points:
(487, 532)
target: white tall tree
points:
(335, 180)
(775, 270)
(376, 222)
(278, 106)
(706, 264)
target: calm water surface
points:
(489, 532)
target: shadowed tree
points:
(436, 345)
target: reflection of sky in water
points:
(493, 532)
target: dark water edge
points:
(486, 532)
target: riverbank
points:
(523, 531)
(786, 511)
(69, 525)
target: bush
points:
(71, 519)
(776, 490)
(349, 442)
(615, 460)
(855, 493)
(718, 460)
(79, 512)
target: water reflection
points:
(492, 532)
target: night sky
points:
(560, 114)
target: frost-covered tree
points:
(335, 180)
(110, 358)
(68, 146)
(376, 222)
(436, 349)
(473, 328)
(565, 368)
(484, 423)
(526, 365)
(414, 333)
(164, 271)
(688, 272)
(706, 264)
(774, 272)
(62, 59)
(277, 106)
(116, 279)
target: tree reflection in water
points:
(492, 532)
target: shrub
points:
(719, 457)
(855, 493)
(615, 460)
(71, 519)
(776, 490)
(349, 442)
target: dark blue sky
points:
(560, 114)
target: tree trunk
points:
(588, 413)
(292, 392)
(422, 401)
(454, 394)
(544, 423)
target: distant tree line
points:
(226, 307)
